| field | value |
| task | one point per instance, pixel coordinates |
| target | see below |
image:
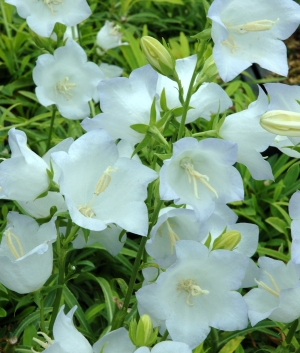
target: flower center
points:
(115, 31)
(254, 26)
(191, 287)
(193, 176)
(50, 4)
(64, 87)
(46, 344)
(101, 186)
(275, 291)
(13, 243)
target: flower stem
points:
(214, 340)
(42, 321)
(51, 128)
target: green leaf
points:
(273, 253)
(231, 346)
(205, 34)
(3, 312)
(153, 112)
(278, 224)
(176, 2)
(30, 319)
(140, 128)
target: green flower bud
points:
(208, 73)
(227, 241)
(158, 56)
(281, 122)
(142, 334)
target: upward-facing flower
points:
(201, 174)
(41, 15)
(198, 292)
(101, 188)
(251, 31)
(67, 80)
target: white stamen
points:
(115, 31)
(230, 43)
(255, 26)
(46, 344)
(172, 235)
(190, 286)
(275, 292)
(87, 211)
(193, 176)
(63, 87)
(10, 238)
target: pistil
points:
(13, 244)
(191, 287)
(50, 4)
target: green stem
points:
(186, 104)
(165, 336)
(51, 128)
(71, 236)
(42, 321)
(92, 108)
(214, 340)
(5, 21)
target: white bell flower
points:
(124, 102)
(67, 80)
(41, 15)
(284, 97)
(166, 347)
(244, 129)
(209, 99)
(173, 224)
(277, 295)
(252, 31)
(100, 188)
(109, 37)
(198, 292)
(200, 174)
(67, 339)
(26, 256)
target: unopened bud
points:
(142, 334)
(208, 73)
(227, 241)
(281, 122)
(158, 56)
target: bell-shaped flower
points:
(198, 292)
(244, 129)
(209, 99)
(294, 211)
(173, 224)
(124, 102)
(200, 174)
(23, 176)
(41, 16)
(67, 80)
(277, 295)
(284, 97)
(252, 32)
(108, 237)
(109, 37)
(166, 347)
(67, 339)
(100, 188)
(26, 256)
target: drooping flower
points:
(252, 32)
(67, 80)
(26, 256)
(200, 174)
(284, 97)
(278, 292)
(209, 99)
(100, 188)
(67, 339)
(198, 292)
(124, 102)
(41, 15)
(244, 129)
(109, 37)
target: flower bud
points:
(158, 56)
(142, 334)
(208, 73)
(281, 122)
(227, 241)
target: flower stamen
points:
(63, 87)
(173, 236)
(46, 344)
(10, 238)
(50, 4)
(264, 286)
(193, 176)
(190, 286)
(255, 26)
